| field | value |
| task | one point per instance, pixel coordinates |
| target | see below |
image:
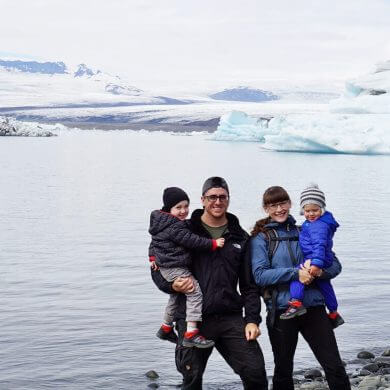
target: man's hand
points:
(183, 285)
(252, 331)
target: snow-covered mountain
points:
(57, 92)
(48, 84)
(244, 94)
(34, 66)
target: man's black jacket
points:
(219, 272)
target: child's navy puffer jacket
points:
(316, 240)
(171, 239)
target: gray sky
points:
(216, 41)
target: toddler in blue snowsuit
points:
(316, 242)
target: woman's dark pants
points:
(244, 357)
(316, 329)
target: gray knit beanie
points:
(312, 195)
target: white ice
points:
(13, 127)
(369, 94)
(358, 122)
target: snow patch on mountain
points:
(123, 90)
(83, 70)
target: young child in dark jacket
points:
(169, 251)
(316, 242)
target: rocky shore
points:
(366, 372)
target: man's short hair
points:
(214, 182)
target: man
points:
(218, 274)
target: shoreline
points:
(176, 127)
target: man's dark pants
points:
(228, 332)
(316, 329)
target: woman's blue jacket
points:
(283, 270)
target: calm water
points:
(78, 308)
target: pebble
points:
(313, 373)
(152, 374)
(313, 386)
(383, 361)
(372, 367)
(386, 352)
(370, 382)
(365, 355)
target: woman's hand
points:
(252, 331)
(183, 285)
(315, 271)
(304, 276)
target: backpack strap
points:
(273, 243)
(273, 240)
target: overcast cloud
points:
(171, 41)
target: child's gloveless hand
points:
(153, 266)
(307, 263)
(220, 242)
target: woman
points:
(275, 255)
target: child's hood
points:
(328, 218)
(160, 220)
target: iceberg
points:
(356, 123)
(319, 133)
(368, 94)
(14, 128)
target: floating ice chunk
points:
(321, 133)
(238, 126)
(368, 94)
(13, 127)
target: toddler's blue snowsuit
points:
(316, 241)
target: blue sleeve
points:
(333, 270)
(263, 274)
(319, 232)
(319, 263)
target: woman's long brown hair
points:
(271, 195)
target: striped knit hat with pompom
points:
(312, 195)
